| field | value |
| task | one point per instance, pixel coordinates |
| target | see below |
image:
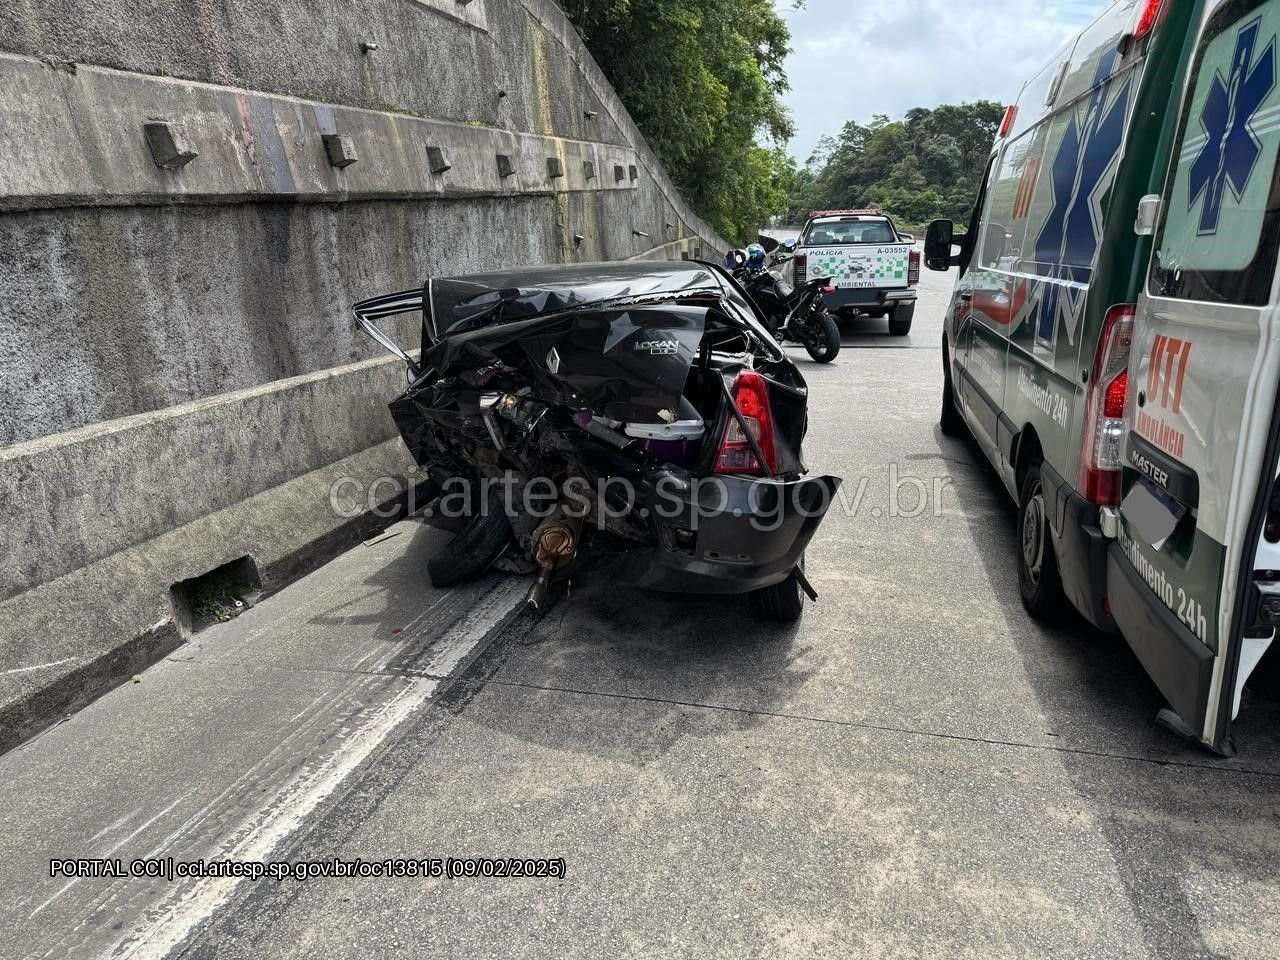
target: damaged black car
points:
(639, 415)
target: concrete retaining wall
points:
(187, 212)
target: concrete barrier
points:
(112, 516)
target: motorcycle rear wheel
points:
(822, 338)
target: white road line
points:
(38, 666)
(110, 850)
(114, 826)
(177, 917)
(309, 707)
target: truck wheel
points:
(475, 548)
(783, 602)
(900, 319)
(1038, 577)
(951, 422)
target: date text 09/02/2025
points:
(427, 868)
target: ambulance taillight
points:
(1145, 18)
(1010, 114)
(1102, 446)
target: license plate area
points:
(1151, 513)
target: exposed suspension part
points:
(555, 544)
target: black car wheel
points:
(1038, 577)
(783, 601)
(477, 545)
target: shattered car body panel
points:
(458, 304)
(627, 364)
(619, 380)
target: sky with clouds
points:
(855, 58)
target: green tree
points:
(923, 166)
(941, 159)
(703, 80)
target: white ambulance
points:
(1193, 579)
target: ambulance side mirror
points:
(938, 242)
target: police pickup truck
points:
(874, 269)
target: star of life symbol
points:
(1229, 156)
(1079, 177)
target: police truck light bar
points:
(865, 212)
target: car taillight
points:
(801, 264)
(913, 268)
(1102, 447)
(1145, 18)
(751, 394)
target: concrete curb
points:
(63, 648)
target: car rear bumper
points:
(1178, 663)
(868, 297)
(729, 535)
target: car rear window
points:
(849, 231)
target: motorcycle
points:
(794, 314)
(635, 420)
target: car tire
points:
(476, 546)
(900, 319)
(1038, 578)
(783, 602)
(951, 421)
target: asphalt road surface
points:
(915, 770)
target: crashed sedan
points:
(636, 418)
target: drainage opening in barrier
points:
(217, 596)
